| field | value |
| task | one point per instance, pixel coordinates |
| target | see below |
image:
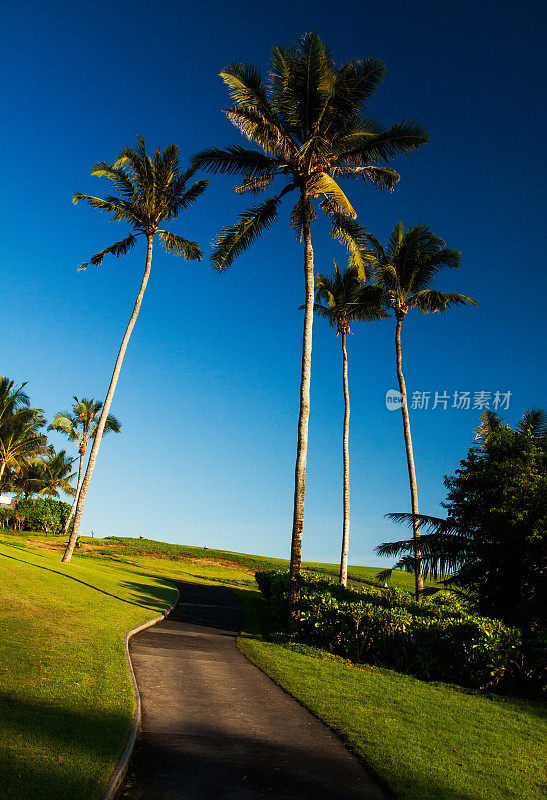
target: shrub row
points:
(36, 514)
(436, 639)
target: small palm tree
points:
(336, 300)
(20, 437)
(308, 123)
(56, 474)
(80, 426)
(405, 271)
(151, 191)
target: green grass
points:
(148, 547)
(422, 740)
(66, 701)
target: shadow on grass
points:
(78, 580)
(56, 752)
(150, 593)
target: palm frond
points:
(434, 524)
(384, 576)
(352, 236)
(254, 185)
(433, 301)
(117, 176)
(534, 422)
(180, 246)
(180, 201)
(324, 184)
(235, 160)
(382, 178)
(355, 83)
(235, 239)
(117, 249)
(260, 129)
(370, 303)
(64, 422)
(399, 139)
(254, 114)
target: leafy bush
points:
(36, 514)
(437, 639)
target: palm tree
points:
(308, 122)
(151, 191)
(339, 294)
(405, 271)
(55, 474)
(80, 425)
(20, 437)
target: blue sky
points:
(208, 396)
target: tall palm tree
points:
(80, 426)
(405, 271)
(20, 437)
(150, 192)
(308, 122)
(336, 301)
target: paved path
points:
(216, 728)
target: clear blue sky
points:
(208, 396)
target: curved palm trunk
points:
(106, 407)
(345, 451)
(302, 446)
(418, 578)
(75, 501)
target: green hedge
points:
(36, 514)
(436, 639)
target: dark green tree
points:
(493, 543)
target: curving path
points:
(215, 727)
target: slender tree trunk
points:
(106, 407)
(302, 446)
(418, 578)
(75, 501)
(345, 452)
(2, 468)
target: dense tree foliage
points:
(493, 542)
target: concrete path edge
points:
(119, 772)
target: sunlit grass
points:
(422, 740)
(66, 701)
(65, 697)
(123, 547)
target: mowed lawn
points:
(424, 741)
(128, 547)
(66, 702)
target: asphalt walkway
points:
(215, 727)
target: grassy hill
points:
(121, 547)
(66, 701)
